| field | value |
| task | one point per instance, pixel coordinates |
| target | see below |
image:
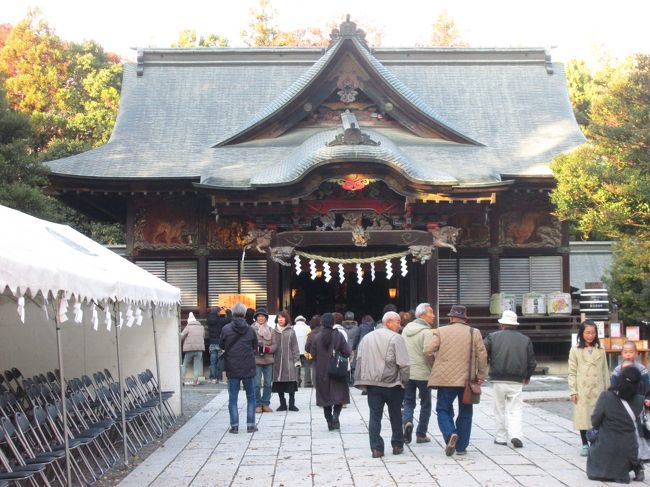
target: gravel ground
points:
(194, 398)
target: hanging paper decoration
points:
(404, 266)
(120, 320)
(129, 316)
(341, 273)
(93, 316)
(327, 271)
(63, 309)
(296, 261)
(389, 269)
(372, 271)
(77, 312)
(138, 316)
(21, 307)
(359, 274)
(107, 318)
(312, 269)
(46, 315)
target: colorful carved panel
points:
(474, 227)
(166, 224)
(526, 221)
(228, 233)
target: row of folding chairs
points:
(31, 450)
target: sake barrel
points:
(533, 304)
(558, 304)
(500, 302)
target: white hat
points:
(508, 318)
(191, 320)
(301, 318)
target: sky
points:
(570, 28)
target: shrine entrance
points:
(309, 296)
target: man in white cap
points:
(512, 362)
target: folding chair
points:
(47, 439)
(27, 456)
(24, 471)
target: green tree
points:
(445, 32)
(581, 85)
(628, 280)
(22, 175)
(604, 185)
(188, 38)
(71, 91)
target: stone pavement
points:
(296, 449)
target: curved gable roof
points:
(413, 112)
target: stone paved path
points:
(296, 449)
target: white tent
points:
(51, 273)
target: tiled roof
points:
(186, 100)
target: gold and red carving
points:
(528, 222)
(229, 233)
(167, 225)
(353, 182)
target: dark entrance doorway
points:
(310, 297)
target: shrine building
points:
(344, 178)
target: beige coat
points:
(193, 337)
(588, 377)
(450, 345)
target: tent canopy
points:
(36, 255)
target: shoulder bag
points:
(337, 368)
(472, 391)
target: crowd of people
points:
(404, 356)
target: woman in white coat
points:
(588, 378)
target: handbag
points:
(337, 368)
(592, 435)
(472, 391)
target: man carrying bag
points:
(456, 348)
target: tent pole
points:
(119, 380)
(180, 351)
(155, 346)
(66, 430)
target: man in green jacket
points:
(417, 335)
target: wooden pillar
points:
(130, 226)
(202, 275)
(495, 249)
(285, 279)
(565, 251)
(432, 283)
(272, 285)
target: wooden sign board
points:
(227, 300)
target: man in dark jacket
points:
(239, 342)
(216, 321)
(512, 362)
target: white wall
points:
(31, 347)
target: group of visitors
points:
(609, 411)
(395, 362)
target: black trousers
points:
(377, 398)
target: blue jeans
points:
(263, 394)
(215, 364)
(422, 388)
(198, 363)
(392, 397)
(233, 393)
(445, 409)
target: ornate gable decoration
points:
(352, 134)
(348, 29)
(347, 77)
